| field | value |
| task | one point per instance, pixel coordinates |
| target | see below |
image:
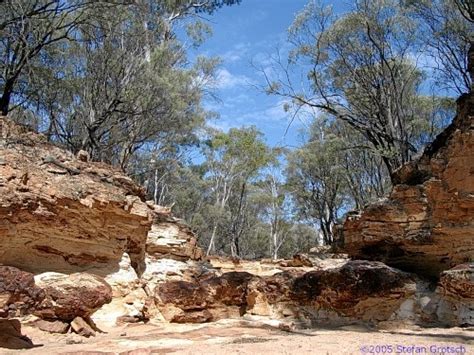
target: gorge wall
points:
(81, 249)
(426, 225)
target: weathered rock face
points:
(18, 293)
(456, 293)
(359, 290)
(171, 254)
(169, 238)
(64, 214)
(427, 223)
(59, 213)
(268, 267)
(71, 296)
(220, 296)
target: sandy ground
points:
(237, 337)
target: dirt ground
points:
(238, 337)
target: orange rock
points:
(427, 223)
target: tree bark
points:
(6, 97)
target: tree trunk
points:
(211, 247)
(234, 246)
(275, 246)
(6, 97)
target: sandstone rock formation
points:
(52, 326)
(18, 293)
(11, 336)
(169, 238)
(63, 214)
(456, 291)
(426, 225)
(358, 290)
(58, 213)
(102, 254)
(71, 296)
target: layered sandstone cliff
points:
(426, 225)
(61, 213)
(58, 213)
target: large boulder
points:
(211, 298)
(18, 293)
(357, 291)
(426, 225)
(71, 296)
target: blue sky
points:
(245, 34)
(244, 37)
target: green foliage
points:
(113, 78)
(362, 68)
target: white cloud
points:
(236, 53)
(227, 80)
(423, 59)
(276, 112)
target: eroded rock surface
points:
(11, 336)
(358, 290)
(71, 296)
(170, 238)
(426, 225)
(18, 293)
(456, 292)
(59, 213)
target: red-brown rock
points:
(81, 327)
(18, 293)
(459, 281)
(71, 296)
(456, 292)
(212, 298)
(359, 290)
(11, 337)
(56, 326)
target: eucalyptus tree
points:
(446, 30)
(317, 181)
(233, 159)
(272, 195)
(105, 76)
(360, 68)
(26, 29)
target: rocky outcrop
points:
(170, 238)
(59, 213)
(71, 296)
(102, 254)
(456, 296)
(207, 299)
(426, 225)
(52, 326)
(267, 267)
(356, 291)
(18, 293)
(63, 214)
